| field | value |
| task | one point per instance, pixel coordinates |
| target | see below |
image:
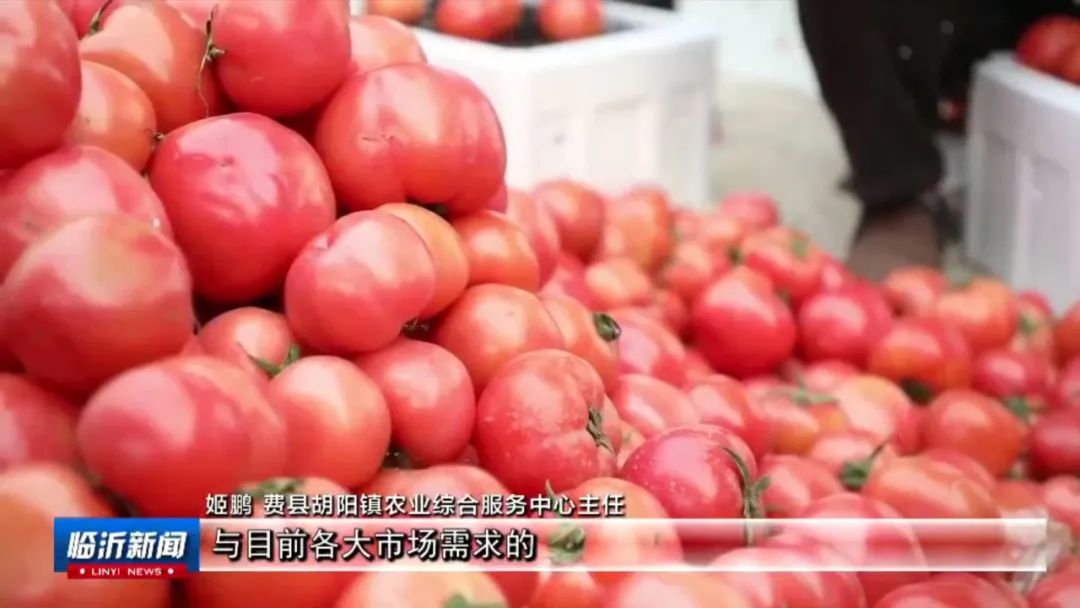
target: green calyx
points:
(211, 53)
(917, 390)
(1019, 406)
(416, 329)
(606, 327)
(753, 491)
(274, 485)
(735, 256)
(273, 369)
(95, 21)
(595, 427)
(853, 475)
(460, 601)
(567, 544)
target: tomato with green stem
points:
(919, 487)
(255, 339)
(1020, 379)
(851, 455)
(1034, 330)
(593, 336)
(794, 483)
(789, 258)
(984, 310)
(924, 356)
(790, 413)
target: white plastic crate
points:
(1023, 208)
(614, 110)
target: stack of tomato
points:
(1052, 45)
(279, 246)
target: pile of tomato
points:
(245, 241)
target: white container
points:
(1023, 208)
(614, 110)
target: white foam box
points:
(629, 106)
(1023, 207)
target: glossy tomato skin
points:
(756, 210)
(880, 408)
(843, 324)
(539, 226)
(1046, 45)
(795, 483)
(591, 336)
(477, 19)
(381, 41)
(430, 398)
(1034, 330)
(638, 225)
(370, 261)
(42, 57)
(420, 590)
(70, 183)
(975, 425)
(788, 258)
(913, 290)
(491, 324)
(850, 455)
(923, 353)
(647, 347)
(578, 212)
(499, 251)
(618, 283)
(226, 162)
(377, 152)
(160, 50)
(113, 114)
(651, 405)
(95, 297)
(984, 311)
(1054, 443)
(941, 491)
(447, 253)
(570, 19)
(543, 420)
(743, 327)
(794, 427)
(1009, 374)
(723, 401)
(39, 425)
(244, 333)
(405, 11)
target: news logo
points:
(125, 548)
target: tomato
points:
(1034, 331)
(370, 261)
(850, 454)
(1021, 379)
(212, 429)
(543, 422)
(955, 590)
(757, 210)
(823, 376)
(113, 114)
(722, 236)
(878, 407)
(228, 162)
(673, 590)
(1018, 497)
(722, 401)
(499, 251)
(788, 258)
(568, 280)
(1066, 390)
(41, 56)
(1047, 43)
(578, 212)
(925, 356)
(920, 487)
(834, 275)
(696, 365)
(1067, 334)
(378, 151)
(652, 405)
(95, 297)
(457, 480)
(36, 425)
(647, 347)
(478, 19)
(638, 225)
(913, 290)
(31, 497)
(570, 19)
(973, 469)
(431, 399)
(984, 311)
(769, 575)
(491, 324)
(381, 41)
(689, 269)
(795, 483)
(1054, 443)
(742, 327)
(1061, 496)
(70, 183)
(618, 283)
(568, 588)
(447, 253)
(591, 336)
(1058, 590)
(539, 226)
(843, 324)
(160, 50)
(1070, 67)
(794, 426)
(405, 11)
(421, 590)
(197, 11)
(253, 339)
(834, 588)
(977, 426)
(81, 13)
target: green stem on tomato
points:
(853, 475)
(753, 492)
(595, 428)
(567, 544)
(269, 367)
(607, 327)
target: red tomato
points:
(851, 455)
(984, 311)
(878, 407)
(41, 56)
(973, 469)
(834, 275)
(638, 225)
(1059, 590)
(1034, 331)
(539, 226)
(421, 590)
(265, 59)
(31, 497)
(913, 290)
(1054, 443)
(381, 41)
(673, 590)
(38, 425)
(543, 422)
(1067, 335)
(569, 588)
(1066, 390)
(924, 356)
(843, 324)
(593, 336)
(764, 576)
(824, 376)
(430, 396)
(95, 297)
(689, 269)
(568, 280)
(1070, 67)
(722, 235)
(955, 590)
(160, 50)
(498, 250)
(197, 11)
(742, 327)
(722, 401)
(696, 365)
(1061, 495)
(578, 212)
(338, 424)
(1046, 45)
(250, 338)
(652, 405)
(405, 11)
(647, 347)
(757, 210)
(370, 261)
(376, 151)
(788, 258)
(1018, 497)
(1020, 379)
(491, 324)
(833, 588)
(794, 426)
(570, 19)
(618, 283)
(977, 426)
(447, 253)
(113, 114)
(81, 13)
(229, 162)
(920, 487)
(211, 431)
(477, 19)
(70, 183)
(457, 480)
(795, 483)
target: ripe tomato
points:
(878, 407)
(984, 311)
(570, 19)
(1070, 67)
(498, 250)
(1066, 390)
(160, 50)
(652, 405)
(405, 11)
(477, 19)
(1054, 443)
(975, 425)
(41, 56)
(822, 376)
(722, 235)
(673, 590)
(851, 455)
(618, 283)
(457, 480)
(794, 483)
(920, 487)
(788, 258)
(973, 469)
(593, 336)
(689, 269)
(756, 210)
(197, 11)
(543, 422)
(1034, 331)
(924, 356)
(70, 183)
(647, 347)
(81, 13)
(959, 590)
(227, 162)
(264, 56)
(421, 590)
(742, 327)
(38, 425)
(253, 339)
(575, 588)
(765, 576)
(696, 365)
(491, 324)
(834, 275)
(376, 150)
(31, 497)
(370, 261)
(568, 280)
(1067, 335)
(95, 297)
(113, 114)
(578, 212)
(447, 253)
(1020, 379)
(381, 41)
(913, 290)
(794, 426)
(1047, 44)
(431, 399)
(1018, 497)
(638, 226)
(230, 434)
(539, 226)
(843, 324)
(722, 401)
